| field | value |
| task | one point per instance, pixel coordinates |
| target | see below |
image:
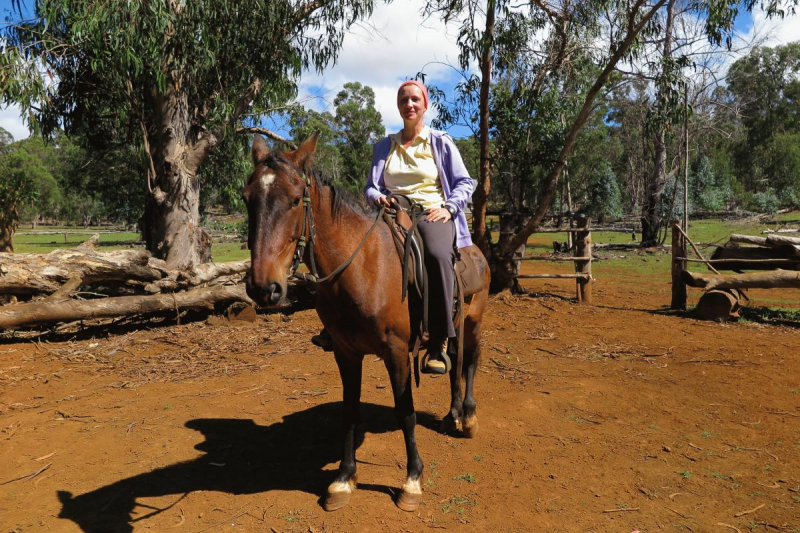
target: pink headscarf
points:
(421, 88)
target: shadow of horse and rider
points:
(288, 455)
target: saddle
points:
(403, 221)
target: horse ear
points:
(306, 149)
(260, 149)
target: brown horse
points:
(361, 306)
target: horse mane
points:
(340, 197)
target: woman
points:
(425, 165)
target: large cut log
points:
(179, 280)
(749, 239)
(755, 258)
(779, 240)
(45, 273)
(720, 305)
(775, 279)
(60, 310)
(790, 243)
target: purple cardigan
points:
(457, 186)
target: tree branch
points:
(267, 133)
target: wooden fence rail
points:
(582, 258)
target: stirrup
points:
(440, 370)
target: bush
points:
(765, 202)
(706, 190)
(604, 199)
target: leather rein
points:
(307, 223)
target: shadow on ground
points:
(289, 455)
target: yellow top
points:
(413, 171)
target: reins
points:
(302, 242)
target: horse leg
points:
(341, 489)
(452, 421)
(400, 376)
(469, 422)
(472, 353)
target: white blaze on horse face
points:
(266, 180)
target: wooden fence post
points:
(678, 251)
(583, 248)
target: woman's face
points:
(410, 103)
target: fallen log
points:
(773, 279)
(45, 273)
(180, 280)
(717, 305)
(755, 258)
(748, 239)
(63, 310)
(788, 243)
(782, 240)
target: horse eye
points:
(296, 201)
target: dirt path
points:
(613, 417)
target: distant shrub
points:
(765, 202)
(605, 200)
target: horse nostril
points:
(275, 292)
(253, 291)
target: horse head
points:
(274, 198)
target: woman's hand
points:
(438, 213)
(384, 201)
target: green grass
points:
(72, 237)
(229, 251)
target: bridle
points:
(307, 226)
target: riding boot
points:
(436, 361)
(324, 340)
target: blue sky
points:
(392, 46)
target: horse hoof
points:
(410, 496)
(450, 425)
(338, 496)
(470, 426)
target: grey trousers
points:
(439, 239)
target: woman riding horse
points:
(426, 167)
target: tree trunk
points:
(8, 225)
(481, 197)
(505, 270)
(546, 197)
(172, 211)
(651, 218)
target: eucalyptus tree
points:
(327, 159)
(359, 126)
(172, 76)
(26, 182)
(624, 26)
(764, 87)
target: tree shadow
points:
(241, 457)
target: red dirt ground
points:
(613, 417)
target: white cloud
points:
(11, 122)
(395, 44)
(778, 31)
